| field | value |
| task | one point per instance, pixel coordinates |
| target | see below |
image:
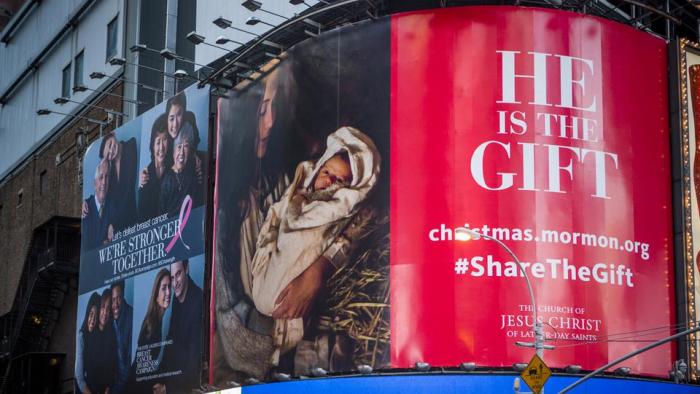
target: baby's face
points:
(335, 170)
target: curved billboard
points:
(349, 173)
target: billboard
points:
(690, 91)
(548, 131)
(302, 212)
(140, 298)
(351, 171)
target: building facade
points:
(73, 71)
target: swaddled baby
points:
(312, 213)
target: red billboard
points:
(350, 171)
(547, 130)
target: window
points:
(112, 28)
(78, 70)
(19, 197)
(65, 85)
(42, 183)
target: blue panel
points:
(460, 384)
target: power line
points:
(626, 336)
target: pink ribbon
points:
(184, 215)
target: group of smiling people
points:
(174, 172)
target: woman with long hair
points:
(152, 176)
(85, 336)
(151, 336)
(266, 144)
(151, 328)
(101, 348)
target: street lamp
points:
(170, 55)
(252, 21)
(221, 40)
(179, 76)
(82, 88)
(252, 6)
(224, 23)
(46, 111)
(466, 234)
(197, 39)
(64, 100)
(100, 75)
(167, 53)
(287, 24)
(120, 61)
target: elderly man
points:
(185, 328)
(97, 221)
(123, 317)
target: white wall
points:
(21, 130)
(208, 10)
(37, 30)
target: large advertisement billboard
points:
(350, 171)
(302, 212)
(142, 266)
(690, 167)
(548, 131)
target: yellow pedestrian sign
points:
(536, 374)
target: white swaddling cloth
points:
(296, 231)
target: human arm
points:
(339, 249)
(298, 296)
(143, 178)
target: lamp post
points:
(46, 111)
(221, 40)
(169, 54)
(465, 234)
(109, 111)
(224, 23)
(252, 21)
(82, 88)
(120, 61)
(197, 39)
(100, 75)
